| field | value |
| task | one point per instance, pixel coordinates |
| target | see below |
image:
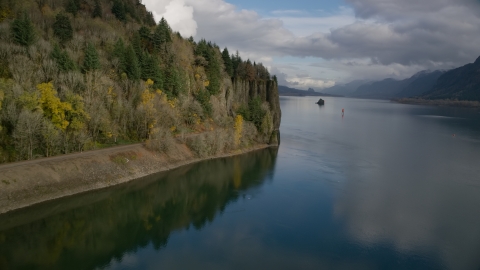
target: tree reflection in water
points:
(89, 230)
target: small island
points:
(321, 102)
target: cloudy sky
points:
(319, 43)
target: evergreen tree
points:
(91, 60)
(236, 61)
(149, 19)
(118, 9)
(209, 52)
(137, 45)
(23, 31)
(132, 65)
(119, 52)
(62, 28)
(56, 52)
(64, 62)
(146, 39)
(130, 8)
(97, 10)
(72, 7)
(227, 61)
(162, 35)
(172, 78)
(151, 70)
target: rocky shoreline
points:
(31, 182)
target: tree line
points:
(82, 74)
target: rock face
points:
(267, 91)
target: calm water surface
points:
(387, 186)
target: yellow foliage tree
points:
(76, 115)
(147, 99)
(53, 108)
(238, 129)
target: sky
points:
(322, 43)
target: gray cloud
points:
(403, 36)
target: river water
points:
(386, 186)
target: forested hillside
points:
(83, 74)
(462, 83)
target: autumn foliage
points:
(79, 75)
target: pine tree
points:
(172, 78)
(146, 39)
(64, 62)
(91, 60)
(132, 65)
(149, 20)
(23, 31)
(151, 70)
(97, 10)
(118, 9)
(62, 28)
(137, 45)
(162, 35)
(72, 7)
(119, 53)
(227, 61)
(56, 52)
(236, 61)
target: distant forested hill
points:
(287, 91)
(390, 88)
(422, 83)
(462, 83)
(344, 89)
(82, 74)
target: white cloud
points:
(178, 14)
(308, 82)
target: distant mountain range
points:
(287, 91)
(344, 89)
(462, 83)
(418, 84)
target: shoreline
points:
(27, 183)
(439, 102)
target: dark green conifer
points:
(119, 52)
(149, 19)
(56, 52)
(171, 82)
(72, 7)
(162, 35)
(137, 46)
(118, 9)
(64, 62)
(208, 51)
(132, 65)
(227, 61)
(23, 31)
(62, 28)
(151, 70)
(91, 60)
(146, 39)
(97, 10)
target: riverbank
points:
(30, 182)
(439, 102)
